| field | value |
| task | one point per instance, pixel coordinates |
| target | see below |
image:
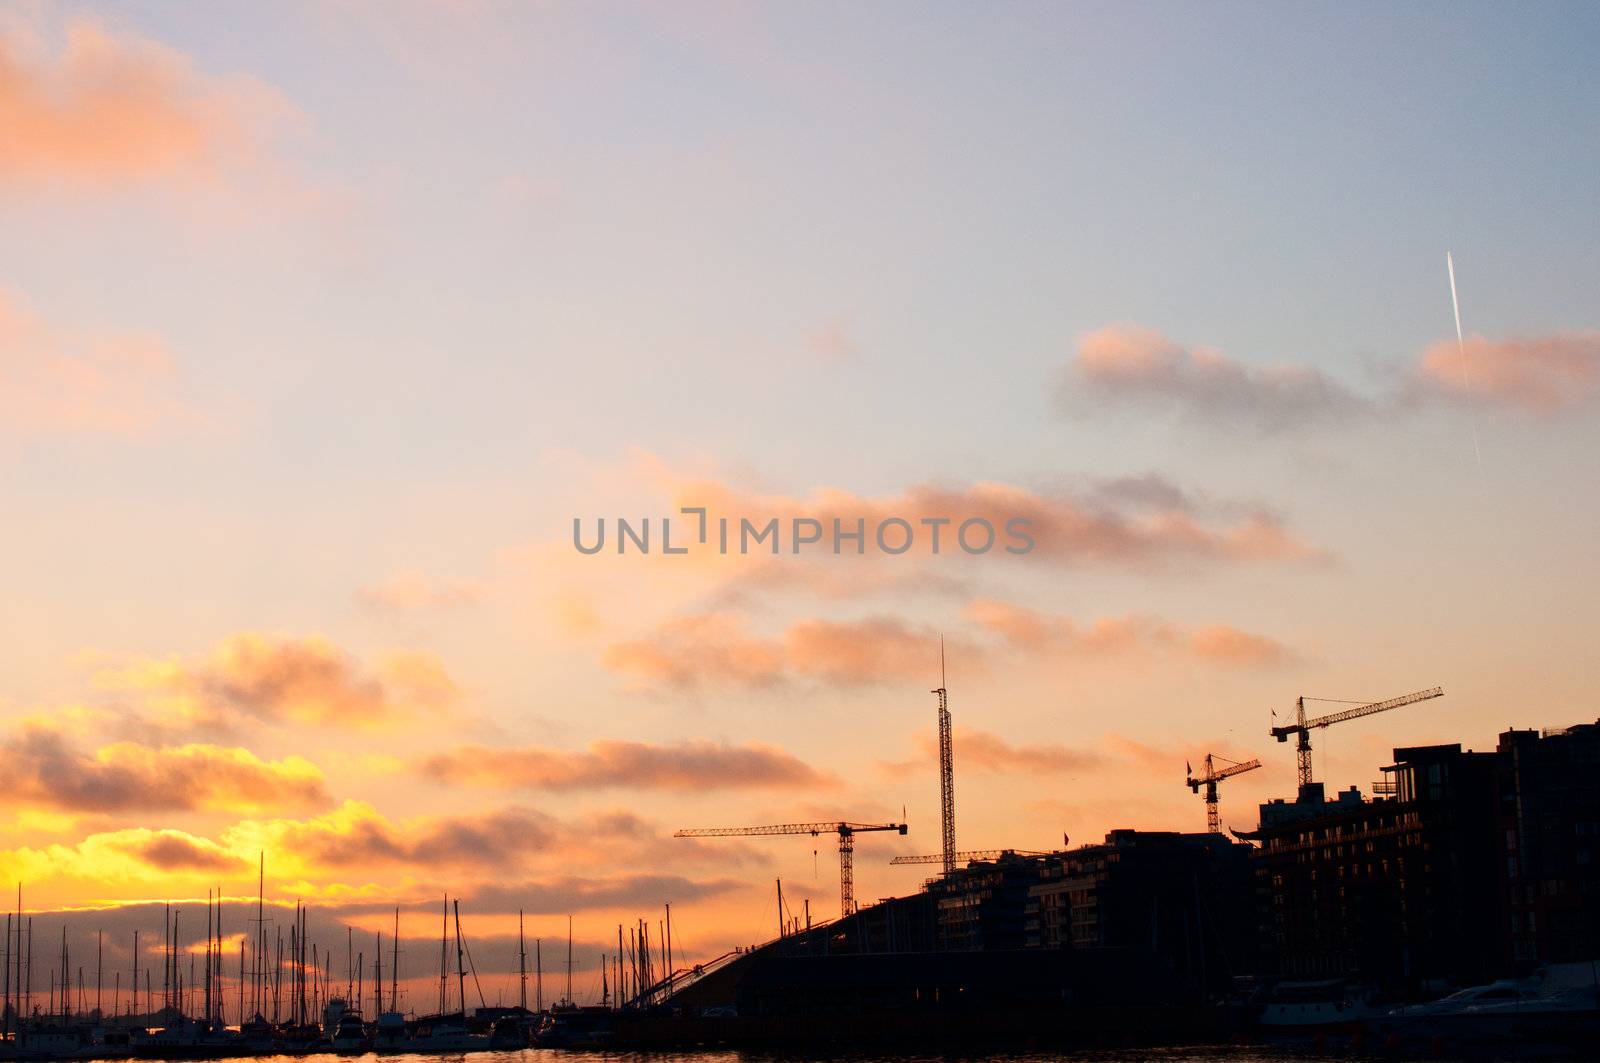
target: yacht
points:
(1557, 1005)
(391, 1035)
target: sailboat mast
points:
(301, 918)
(444, 932)
(261, 932)
(211, 951)
(569, 959)
(5, 1008)
(522, 962)
(222, 1004)
(394, 967)
(166, 960)
(461, 970)
(277, 978)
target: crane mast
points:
(1302, 727)
(947, 771)
(1209, 779)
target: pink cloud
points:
(1539, 374)
(110, 108)
(287, 680)
(985, 752)
(1136, 364)
(686, 651)
(1065, 526)
(1045, 633)
(860, 651)
(720, 648)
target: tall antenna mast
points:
(947, 770)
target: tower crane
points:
(1302, 727)
(847, 846)
(979, 855)
(1209, 780)
(947, 771)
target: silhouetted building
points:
(1183, 898)
(983, 905)
(1549, 829)
(1477, 863)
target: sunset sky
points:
(320, 324)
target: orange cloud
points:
(136, 857)
(290, 681)
(687, 766)
(1540, 374)
(55, 379)
(170, 850)
(1218, 642)
(985, 752)
(687, 650)
(106, 108)
(719, 648)
(572, 893)
(860, 651)
(1037, 632)
(1064, 526)
(348, 850)
(354, 854)
(1133, 363)
(44, 770)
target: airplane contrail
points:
(1461, 348)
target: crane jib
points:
(1282, 733)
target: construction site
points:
(1351, 916)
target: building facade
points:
(1183, 898)
(1478, 865)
